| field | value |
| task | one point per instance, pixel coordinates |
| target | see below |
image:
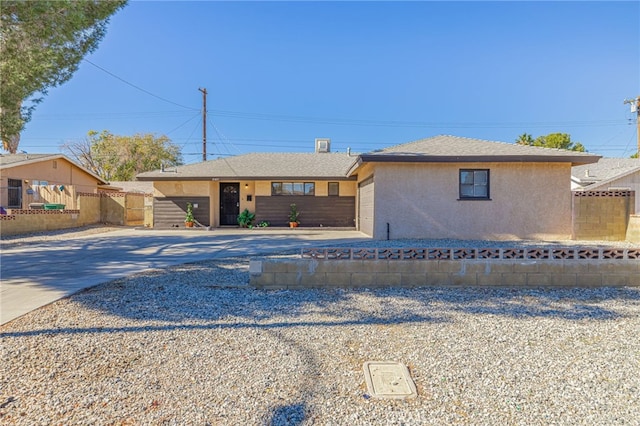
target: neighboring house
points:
(441, 187)
(22, 175)
(608, 174)
(136, 187)
(264, 183)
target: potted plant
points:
(188, 219)
(293, 216)
(245, 219)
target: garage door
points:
(365, 206)
(169, 212)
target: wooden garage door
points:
(170, 211)
(365, 206)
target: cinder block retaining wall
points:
(127, 209)
(25, 221)
(633, 230)
(566, 267)
(602, 215)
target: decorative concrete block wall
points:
(116, 208)
(562, 267)
(26, 221)
(602, 215)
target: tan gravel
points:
(195, 345)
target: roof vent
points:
(323, 145)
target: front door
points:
(229, 203)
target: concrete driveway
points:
(37, 274)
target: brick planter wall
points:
(562, 267)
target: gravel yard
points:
(194, 345)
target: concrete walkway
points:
(37, 274)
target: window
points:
(293, 188)
(287, 188)
(334, 189)
(309, 188)
(474, 184)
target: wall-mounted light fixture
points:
(26, 181)
(246, 186)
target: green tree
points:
(552, 140)
(525, 139)
(115, 157)
(558, 140)
(41, 46)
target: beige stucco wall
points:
(528, 200)
(64, 173)
(181, 188)
(247, 188)
(263, 188)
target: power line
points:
(110, 115)
(222, 138)
(396, 123)
(183, 124)
(137, 87)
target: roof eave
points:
(575, 160)
(355, 166)
(173, 176)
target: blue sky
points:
(365, 74)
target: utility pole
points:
(635, 107)
(204, 123)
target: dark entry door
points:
(15, 193)
(229, 203)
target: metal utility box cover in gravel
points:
(390, 380)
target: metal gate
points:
(229, 203)
(14, 192)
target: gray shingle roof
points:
(12, 160)
(340, 165)
(454, 148)
(133, 186)
(261, 166)
(590, 176)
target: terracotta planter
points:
(189, 224)
(293, 224)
